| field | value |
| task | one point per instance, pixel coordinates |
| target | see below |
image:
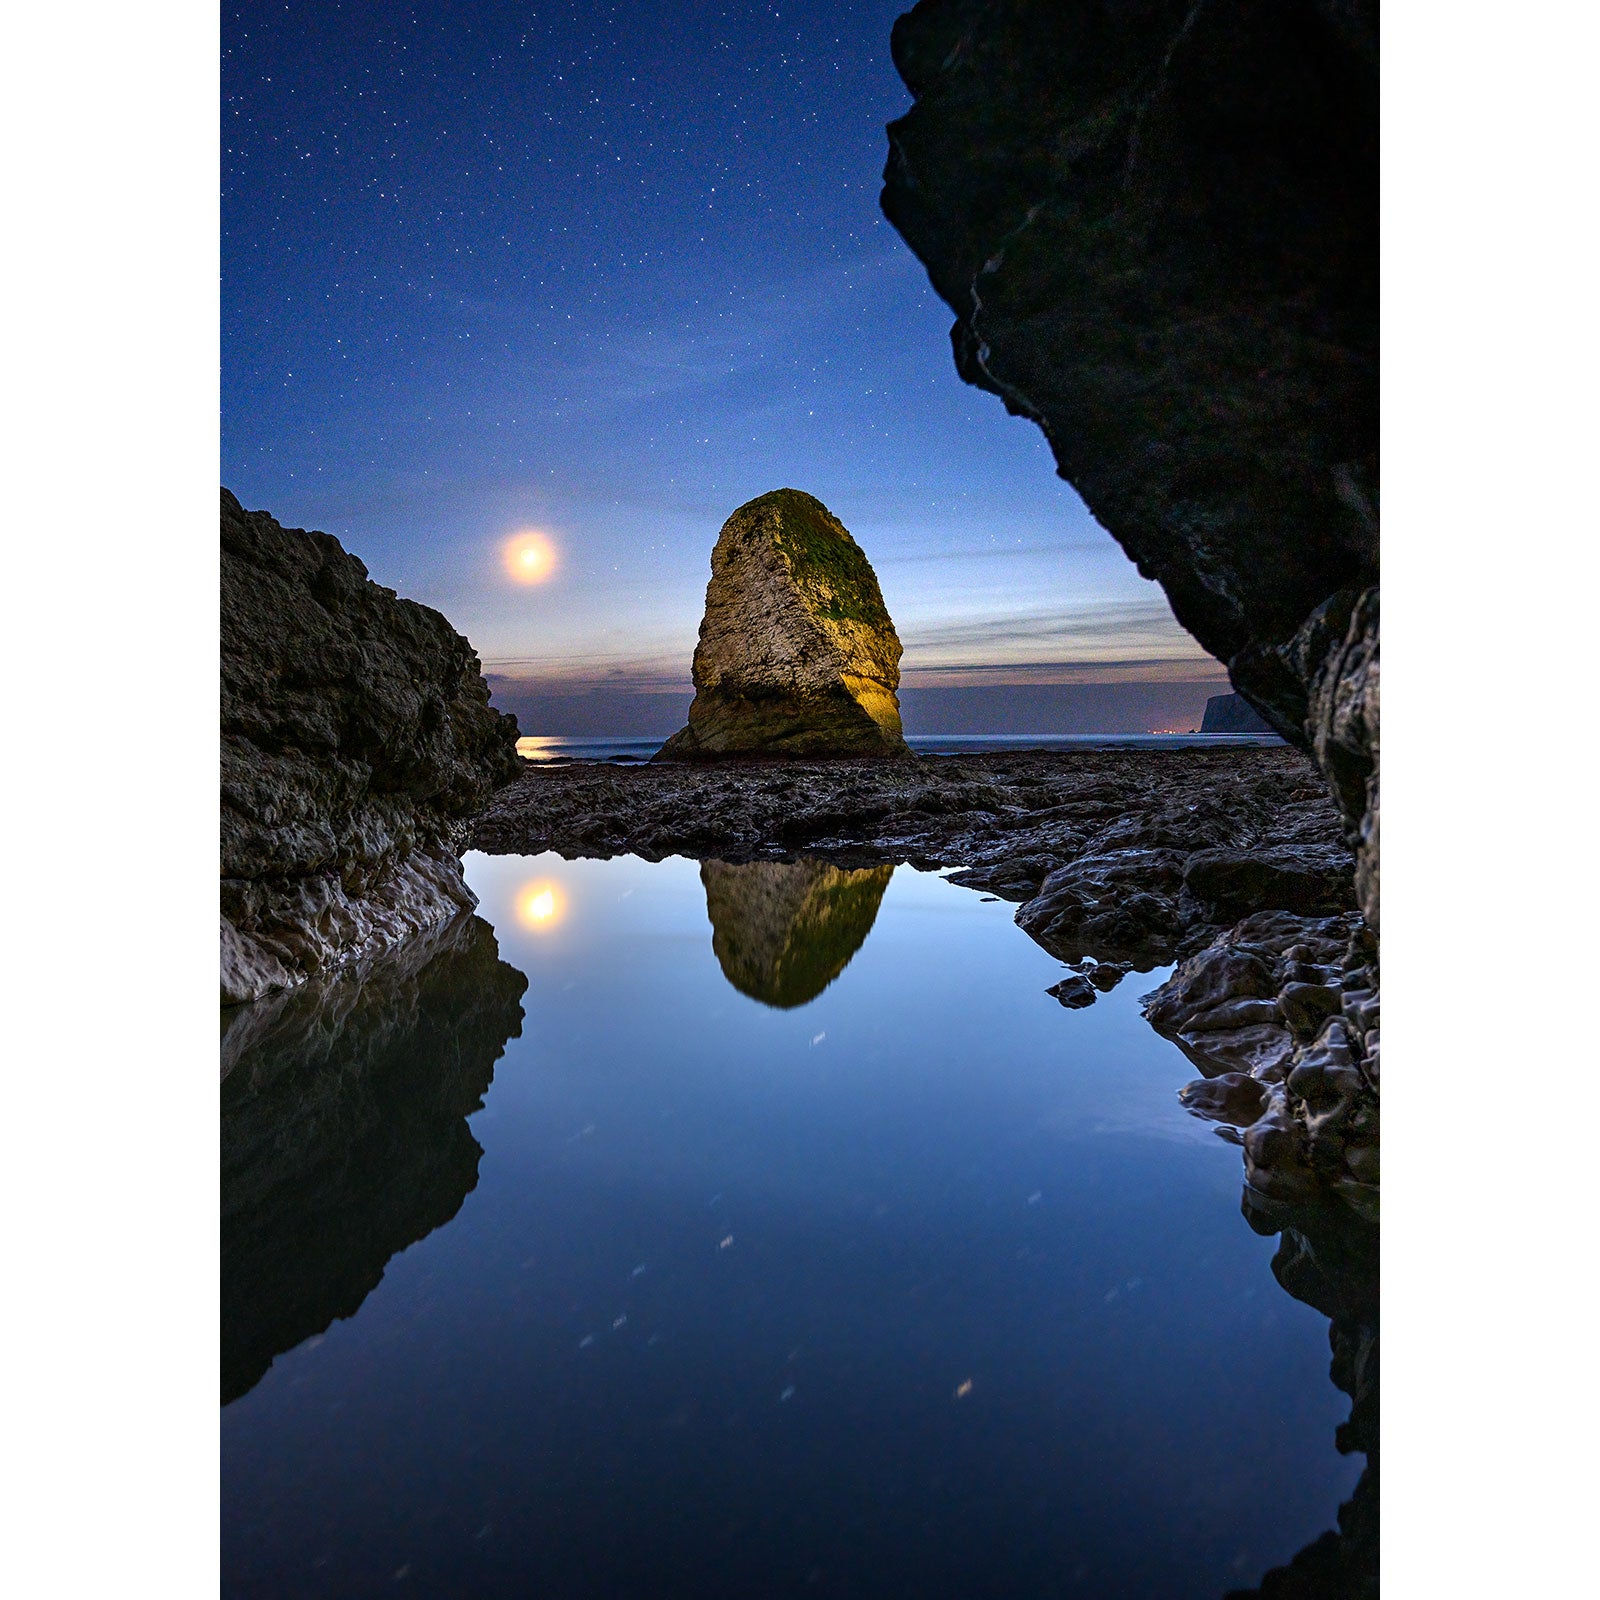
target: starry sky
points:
(607, 272)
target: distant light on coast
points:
(540, 906)
(530, 556)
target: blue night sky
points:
(609, 272)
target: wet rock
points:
(1264, 1050)
(1231, 1016)
(1307, 879)
(1233, 1097)
(1274, 1152)
(797, 654)
(357, 742)
(1317, 1097)
(1008, 820)
(1362, 1160)
(1008, 877)
(1122, 905)
(1360, 1008)
(1305, 1006)
(1215, 977)
(1074, 993)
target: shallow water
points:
(812, 1249)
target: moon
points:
(529, 556)
(540, 906)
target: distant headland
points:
(1232, 713)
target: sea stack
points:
(797, 653)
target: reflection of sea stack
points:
(797, 653)
(784, 931)
(344, 1135)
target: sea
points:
(681, 1229)
(544, 749)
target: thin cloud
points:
(991, 552)
(1096, 630)
(992, 675)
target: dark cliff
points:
(1232, 713)
(1156, 224)
(357, 742)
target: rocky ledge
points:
(357, 741)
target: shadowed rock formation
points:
(344, 1136)
(783, 931)
(1232, 713)
(357, 741)
(1156, 224)
(797, 653)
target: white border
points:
(110, 658)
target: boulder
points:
(797, 653)
(1074, 992)
(357, 743)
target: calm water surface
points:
(802, 1245)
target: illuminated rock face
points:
(783, 931)
(357, 742)
(797, 653)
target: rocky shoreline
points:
(1231, 863)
